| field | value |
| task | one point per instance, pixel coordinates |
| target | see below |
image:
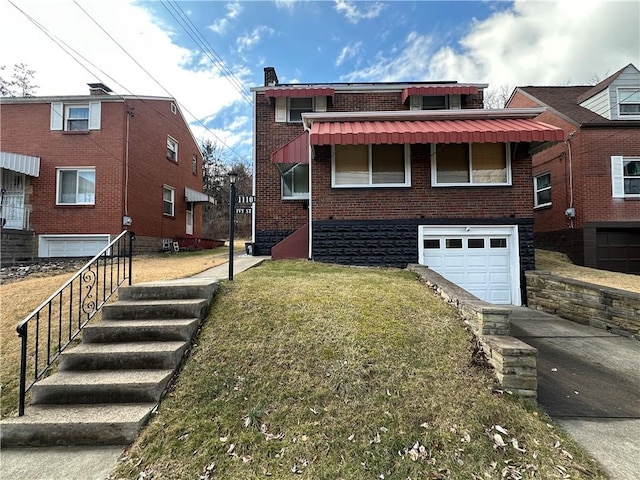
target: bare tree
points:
(497, 97)
(21, 83)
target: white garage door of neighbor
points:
(71, 245)
(483, 260)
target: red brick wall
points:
(25, 129)
(591, 151)
(420, 200)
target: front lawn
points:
(307, 370)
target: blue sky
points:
(208, 54)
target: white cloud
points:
(288, 4)
(222, 24)
(354, 14)
(250, 39)
(175, 71)
(348, 51)
(533, 43)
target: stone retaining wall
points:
(611, 309)
(514, 362)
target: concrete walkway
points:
(85, 462)
(589, 383)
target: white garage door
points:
(483, 260)
(71, 245)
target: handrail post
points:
(22, 333)
(132, 237)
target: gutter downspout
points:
(307, 128)
(568, 143)
(253, 173)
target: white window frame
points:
(537, 190)
(434, 173)
(313, 108)
(194, 165)
(295, 195)
(67, 115)
(370, 184)
(174, 108)
(77, 170)
(189, 221)
(623, 93)
(617, 176)
(172, 142)
(172, 191)
(60, 115)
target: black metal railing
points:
(54, 325)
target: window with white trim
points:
(295, 182)
(629, 102)
(76, 186)
(172, 149)
(625, 176)
(194, 165)
(168, 200)
(387, 165)
(297, 106)
(75, 117)
(542, 189)
(460, 164)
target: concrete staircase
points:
(108, 386)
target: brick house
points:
(397, 173)
(587, 188)
(77, 170)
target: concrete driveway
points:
(589, 383)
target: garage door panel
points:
(482, 266)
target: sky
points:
(209, 54)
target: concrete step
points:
(175, 289)
(125, 356)
(48, 425)
(150, 309)
(152, 330)
(102, 386)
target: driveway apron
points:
(589, 383)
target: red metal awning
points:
(299, 92)
(453, 89)
(292, 153)
(434, 131)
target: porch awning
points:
(293, 92)
(292, 153)
(451, 89)
(494, 130)
(194, 196)
(20, 163)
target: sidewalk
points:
(589, 383)
(86, 462)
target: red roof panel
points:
(434, 131)
(293, 92)
(296, 151)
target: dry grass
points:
(306, 370)
(21, 297)
(559, 264)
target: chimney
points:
(270, 77)
(99, 89)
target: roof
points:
(20, 163)
(565, 101)
(601, 86)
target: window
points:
(470, 164)
(295, 183)
(76, 117)
(172, 149)
(76, 186)
(498, 243)
(431, 243)
(475, 243)
(434, 102)
(625, 176)
(542, 187)
(453, 243)
(298, 106)
(168, 200)
(194, 165)
(174, 109)
(371, 166)
(629, 102)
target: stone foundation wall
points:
(17, 246)
(611, 309)
(514, 362)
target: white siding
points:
(600, 103)
(605, 103)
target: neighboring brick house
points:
(77, 170)
(397, 173)
(587, 189)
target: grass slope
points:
(305, 370)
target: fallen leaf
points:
(231, 448)
(501, 430)
(498, 441)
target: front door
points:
(189, 218)
(13, 213)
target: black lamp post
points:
(233, 176)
